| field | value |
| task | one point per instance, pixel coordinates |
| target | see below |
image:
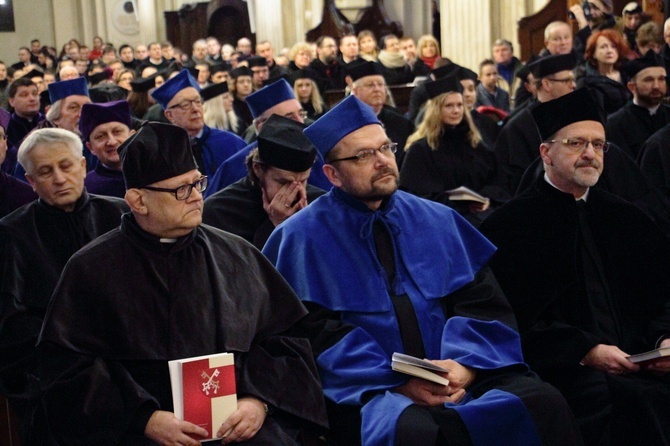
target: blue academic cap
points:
(70, 87)
(164, 94)
(269, 96)
(349, 115)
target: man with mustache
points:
(383, 271)
(630, 127)
(586, 275)
(173, 289)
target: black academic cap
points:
(282, 144)
(143, 84)
(301, 74)
(367, 68)
(33, 73)
(156, 152)
(194, 71)
(548, 65)
(445, 70)
(213, 91)
(241, 71)
(443, 85)
(573, 107)
(107, 93)
(104, 75)
(223, 66)
(650, 59)
(465, 73)
(257, 61)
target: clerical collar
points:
(652, 111)
(168, 240)
(583, 197)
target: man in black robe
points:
(104, 127)
(645, 114)
(174, 289)
(275, 187)
(370, 87)
(655, 163)
(25, 100)
(517, 143)
(586, 274)
(35, 243)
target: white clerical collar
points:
(168, 240)
(652, 111)
(583, 197)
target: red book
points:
(203, 390)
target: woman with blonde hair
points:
(367, 44)
(307, 93)
(218, 107)
(428, 50)
(446, 152)
(300, 56)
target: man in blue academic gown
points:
(382, 271)
(180, 100)
(276, 98)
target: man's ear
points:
(135, 199)
(544, 154)
(168, 115)
(332, 174)
(31, 181)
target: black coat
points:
(631, 126)
(518, 144)
(540, 267)
(110, 331)
(36, 241)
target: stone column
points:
(466, 31)
(269, 22)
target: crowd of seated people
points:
(365, 217)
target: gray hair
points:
(54, 111)
(49, 136)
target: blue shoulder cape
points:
(323, 270)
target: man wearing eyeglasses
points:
(276, 98)
(36, 241)
(516, 146)
(383, 271)
(586, 274)
(369, 86)
(180, 100)
(172, 289)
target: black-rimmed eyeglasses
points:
(183, 192)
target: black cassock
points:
(238, 209)
(631, 126)
(128, 303)
(576, 282)
(35, 243)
